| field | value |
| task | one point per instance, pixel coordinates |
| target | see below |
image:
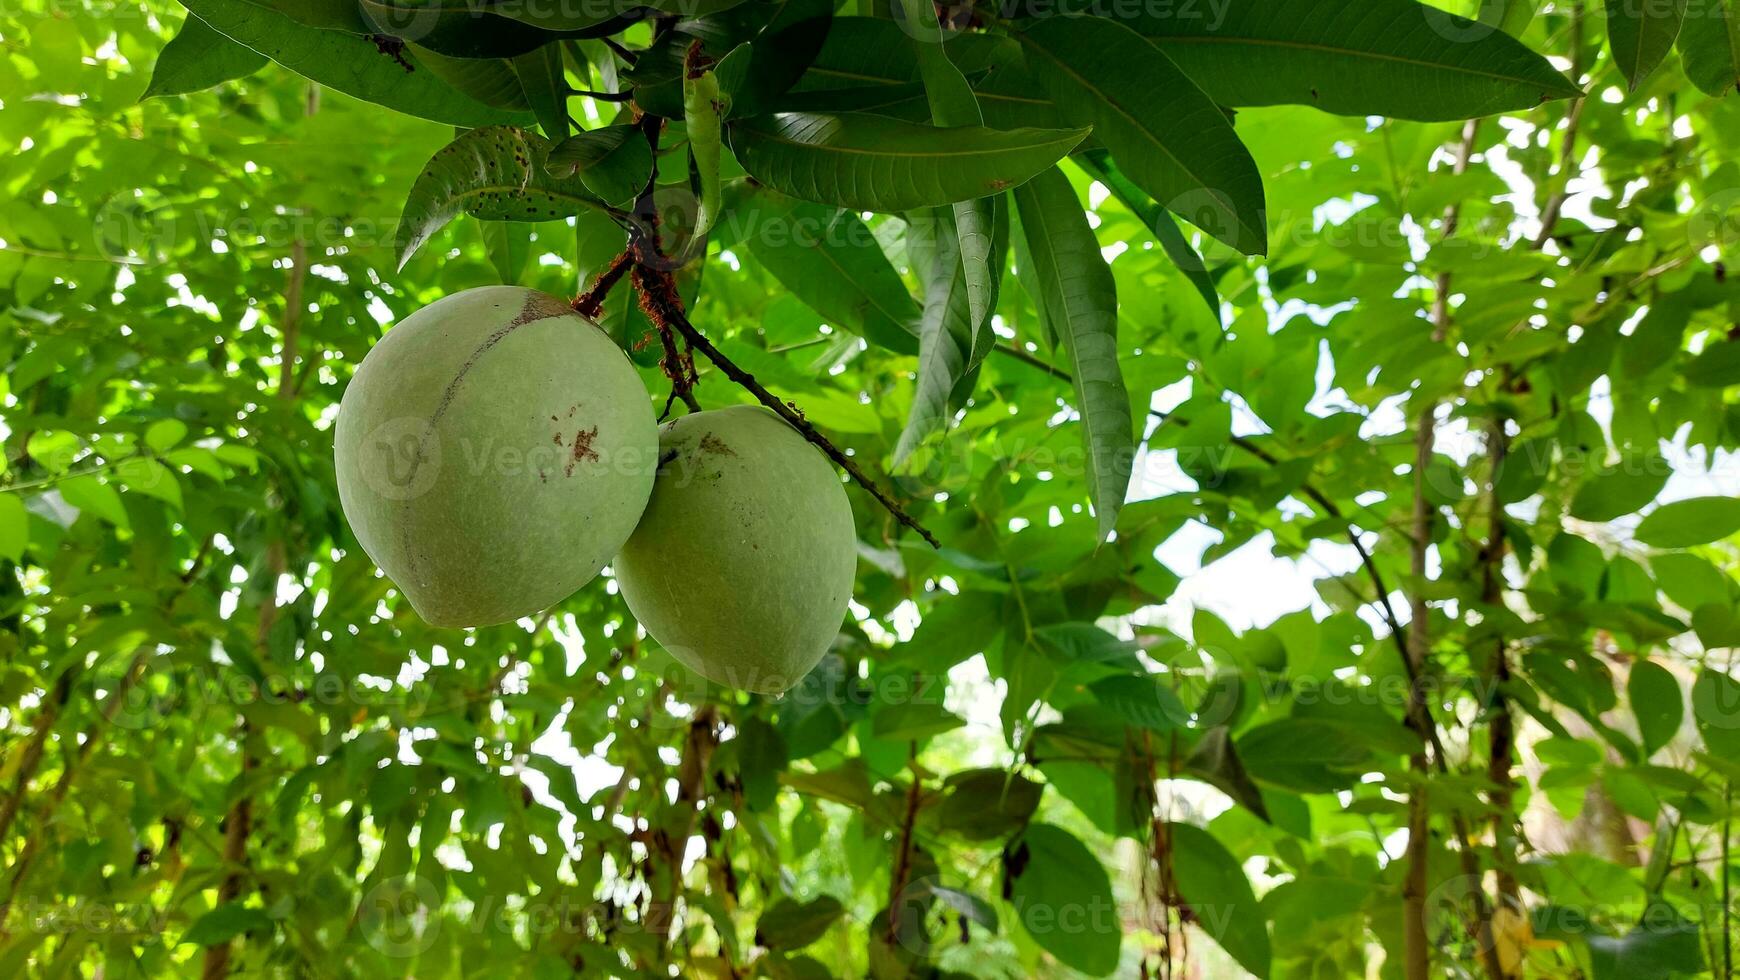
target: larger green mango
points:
(743, 563)
(494, 450)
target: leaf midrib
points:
(1119, 108)
(1077, 135)
(1356, 53)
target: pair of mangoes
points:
(495, 450)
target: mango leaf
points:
(913, 720)
(92, 496)
(952, 103)
(198, 57)
(703, 108)
(874, 163)
(225, 923)
(1662, 946)
(1641, 34)
(500, 173)
(761, 757)
(1061, 894)
(612, 162)
(1167, 135)
(545, 86)
(831, 261)
(456, 28)
(1709, 44)
(1622, 488)
(1716, 710)
(1378, 57)
(789, 924)
(1656, 701)
(944, 331)
(1100, 165)
(509, 246)
(1685, 523)
(1060, 265)
(754, 74)
(349, 63)
(14, 527)
(987, 804)
(1225, 907)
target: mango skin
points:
(743, 564)
(494, 450)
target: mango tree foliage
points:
(1323, 410)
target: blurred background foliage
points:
(226, 745)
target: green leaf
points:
(1709, 44)
(612, 162)
(1689, 580)
(151, 478)
(761, 757)
(1662, 946)
(1716, 711)
(874, 163)
(1060, 264)
(1143, 702)
(1378, 57)
(952, 103)
(14, 527)
(1225, 907)
(164, 434)
(89, 494)
(1100, 165)
(545, 87)
(1656, 701)
(1641, 34)
(831, 260)
(945, 330)
(225, 923)
(198, 57)
(1718, 366)
(913, 720)
(1685, 523)
(987, 804)
(459, 29)
(754, 74)
(789, 924)
(1167, 135)
(509, 246)
(967, 906)
(349, 63)
(702, 112)
(1303, 755)
(1061, 895)
(496, 173)
(1215, 761)
(1622, 488)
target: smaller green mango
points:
(743, 563)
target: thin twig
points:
(797, 421)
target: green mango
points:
(494, 450)
(743, 563)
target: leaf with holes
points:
(500, 172)
(349, 63)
